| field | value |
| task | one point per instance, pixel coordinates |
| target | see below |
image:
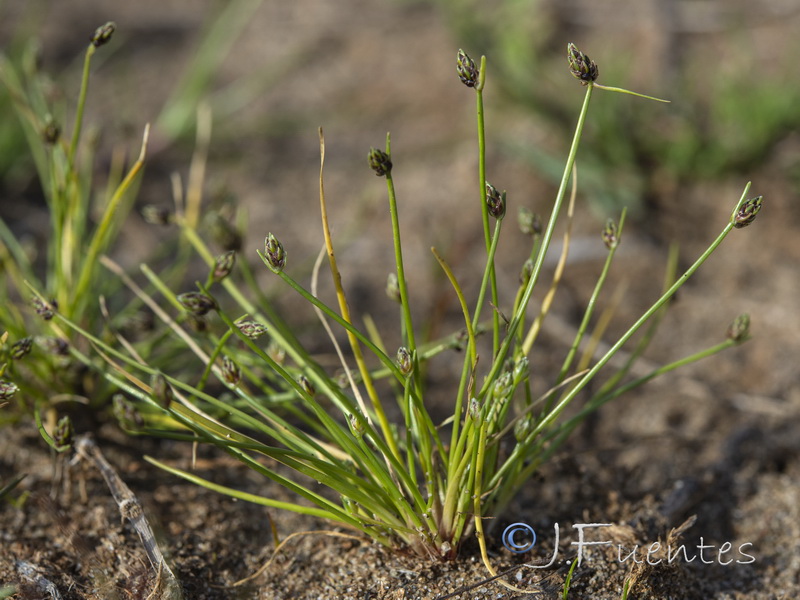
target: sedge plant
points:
(362, 450)
(84, 219)
(38, 368)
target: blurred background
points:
(272, 72)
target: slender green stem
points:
(630, 93)
(472, 350)
(349, 327)
(100, 237)
(58, 259)
(398, 257)
(76, 132)
(484, 207)
(587, 315)
(212, 359)
(598, 401)
(649, 334)
(488, 273)
(482, 153)
(467, 369)
(547, 237)
(637, 325)
(344, 308)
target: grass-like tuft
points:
(43, 366)
(405, 481)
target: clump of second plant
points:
(41, 357)
(44, 365)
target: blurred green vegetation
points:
(50, 162)
(730, 108)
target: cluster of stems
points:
(84, 221)
(416, 482)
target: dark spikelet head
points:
(44, 309)
(307, 386)
(739, 329)
(467, 71)
(64, 434)
(379, 162)
(198, 323)
(581, 66)
(747, 212)
(156, 215)
(223, 232)
(196, 303)
(404, 361)
(495, 201)
(529, 222)
(103, 34)
(125, 413)
(223, 265)
(51, 132)
(231, 371)
(252, 329)
(21, 348)
(610, 235)
(7, 389)
(275, 253)
(53, 345)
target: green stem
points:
(488, 274)
(563, 432)
(637, 325)
(649, 334)
(100, 237)
(76, 132)
(466, 369)
(213, 358)
(398, 257)
(597, 402)
(473, 354)
(548, 235)
(590, 305)
(484, 207)
(630, 93)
